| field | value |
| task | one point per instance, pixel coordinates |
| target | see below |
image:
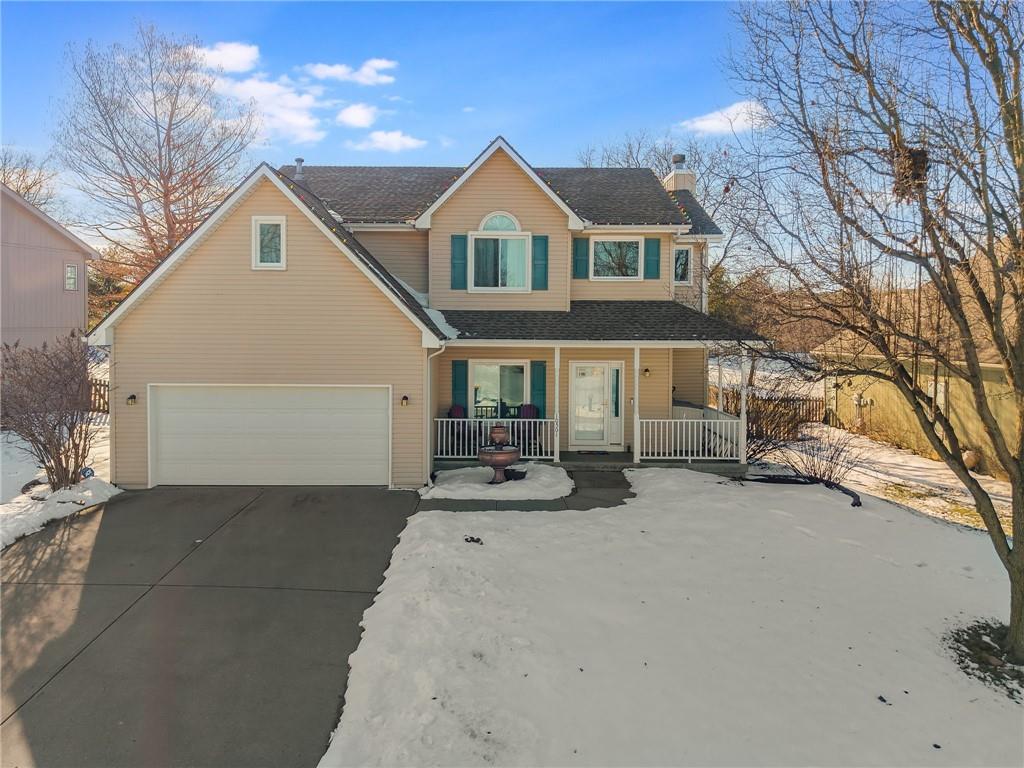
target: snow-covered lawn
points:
(21, 514)
(706, 622)
(920, 483)
(542, 481)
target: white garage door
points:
(251, 435)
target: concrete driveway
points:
(190, 626)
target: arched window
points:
(499, 222)
(500, 255)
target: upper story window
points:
(681, 258)
(70, 277)
(499, 254)
(268, 242)
(613, 258)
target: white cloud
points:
(736, 118)
(446, 141)
(358, 115)
(370, 73)
(469, 109)
(286, 108)
(387, 141)
(231, 57)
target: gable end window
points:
(70, 277)
(268, 242)
(613, 258)
(681, 275)
(499, 255)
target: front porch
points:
(584, 407)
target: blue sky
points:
(416, 84)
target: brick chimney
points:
(680, 177)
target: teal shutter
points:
(459, 262)
(652, 258)
(580, 257)
(460, 384)
(539, 276)
(539, 386)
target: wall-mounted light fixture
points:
(132, 399)
(647, 373)
(405, 400)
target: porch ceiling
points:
(626, 321)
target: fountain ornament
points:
(499, 455)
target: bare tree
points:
(888, 193)
(46, 402)
(29, 176)
(151, 142)
(635, 149)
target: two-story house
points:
(44, 288)
(353, 325)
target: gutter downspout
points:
(428, 458)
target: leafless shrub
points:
(46, 402)
(825, 454)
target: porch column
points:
(743, 413)
(636, 405)
(558, 401)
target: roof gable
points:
(314, 210)
(13, 197)
(423, 220)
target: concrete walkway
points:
(190, 626)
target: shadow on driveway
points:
(190, 626)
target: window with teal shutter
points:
(460, 384)
(539, 267)
(459, 250)
(580, 257)
(652, 258)
(539, 386)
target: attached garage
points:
(204, 434)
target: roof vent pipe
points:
(298, 168)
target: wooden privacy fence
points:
(771, 416)
(99, 396)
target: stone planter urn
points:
(499, 455)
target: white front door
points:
(596, 407)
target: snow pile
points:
(542, 481)
(770, 377)
(920, 483)
(706, 622)
(29, 512)
(19, 467)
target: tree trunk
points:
(1015, 636)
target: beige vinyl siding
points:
(689, 375)
(403, 253)
(499, 185)
(215, 320)
(655, 402)
(629, 290)
(35, 308)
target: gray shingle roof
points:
(599, 195)
(311, 201)
(598, 321)
(701, 223)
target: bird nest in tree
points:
(910, 170)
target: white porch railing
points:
(463, 438)
(716, 436)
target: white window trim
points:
(256, 221)
(492, 235)
(484, 361)
(618, 239)
(77, 277)
(499, 213)
(682, 248)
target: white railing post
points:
(558, 416)
(743, 425)
(636, 405)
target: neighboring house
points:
(352, 325)
(45, 288)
